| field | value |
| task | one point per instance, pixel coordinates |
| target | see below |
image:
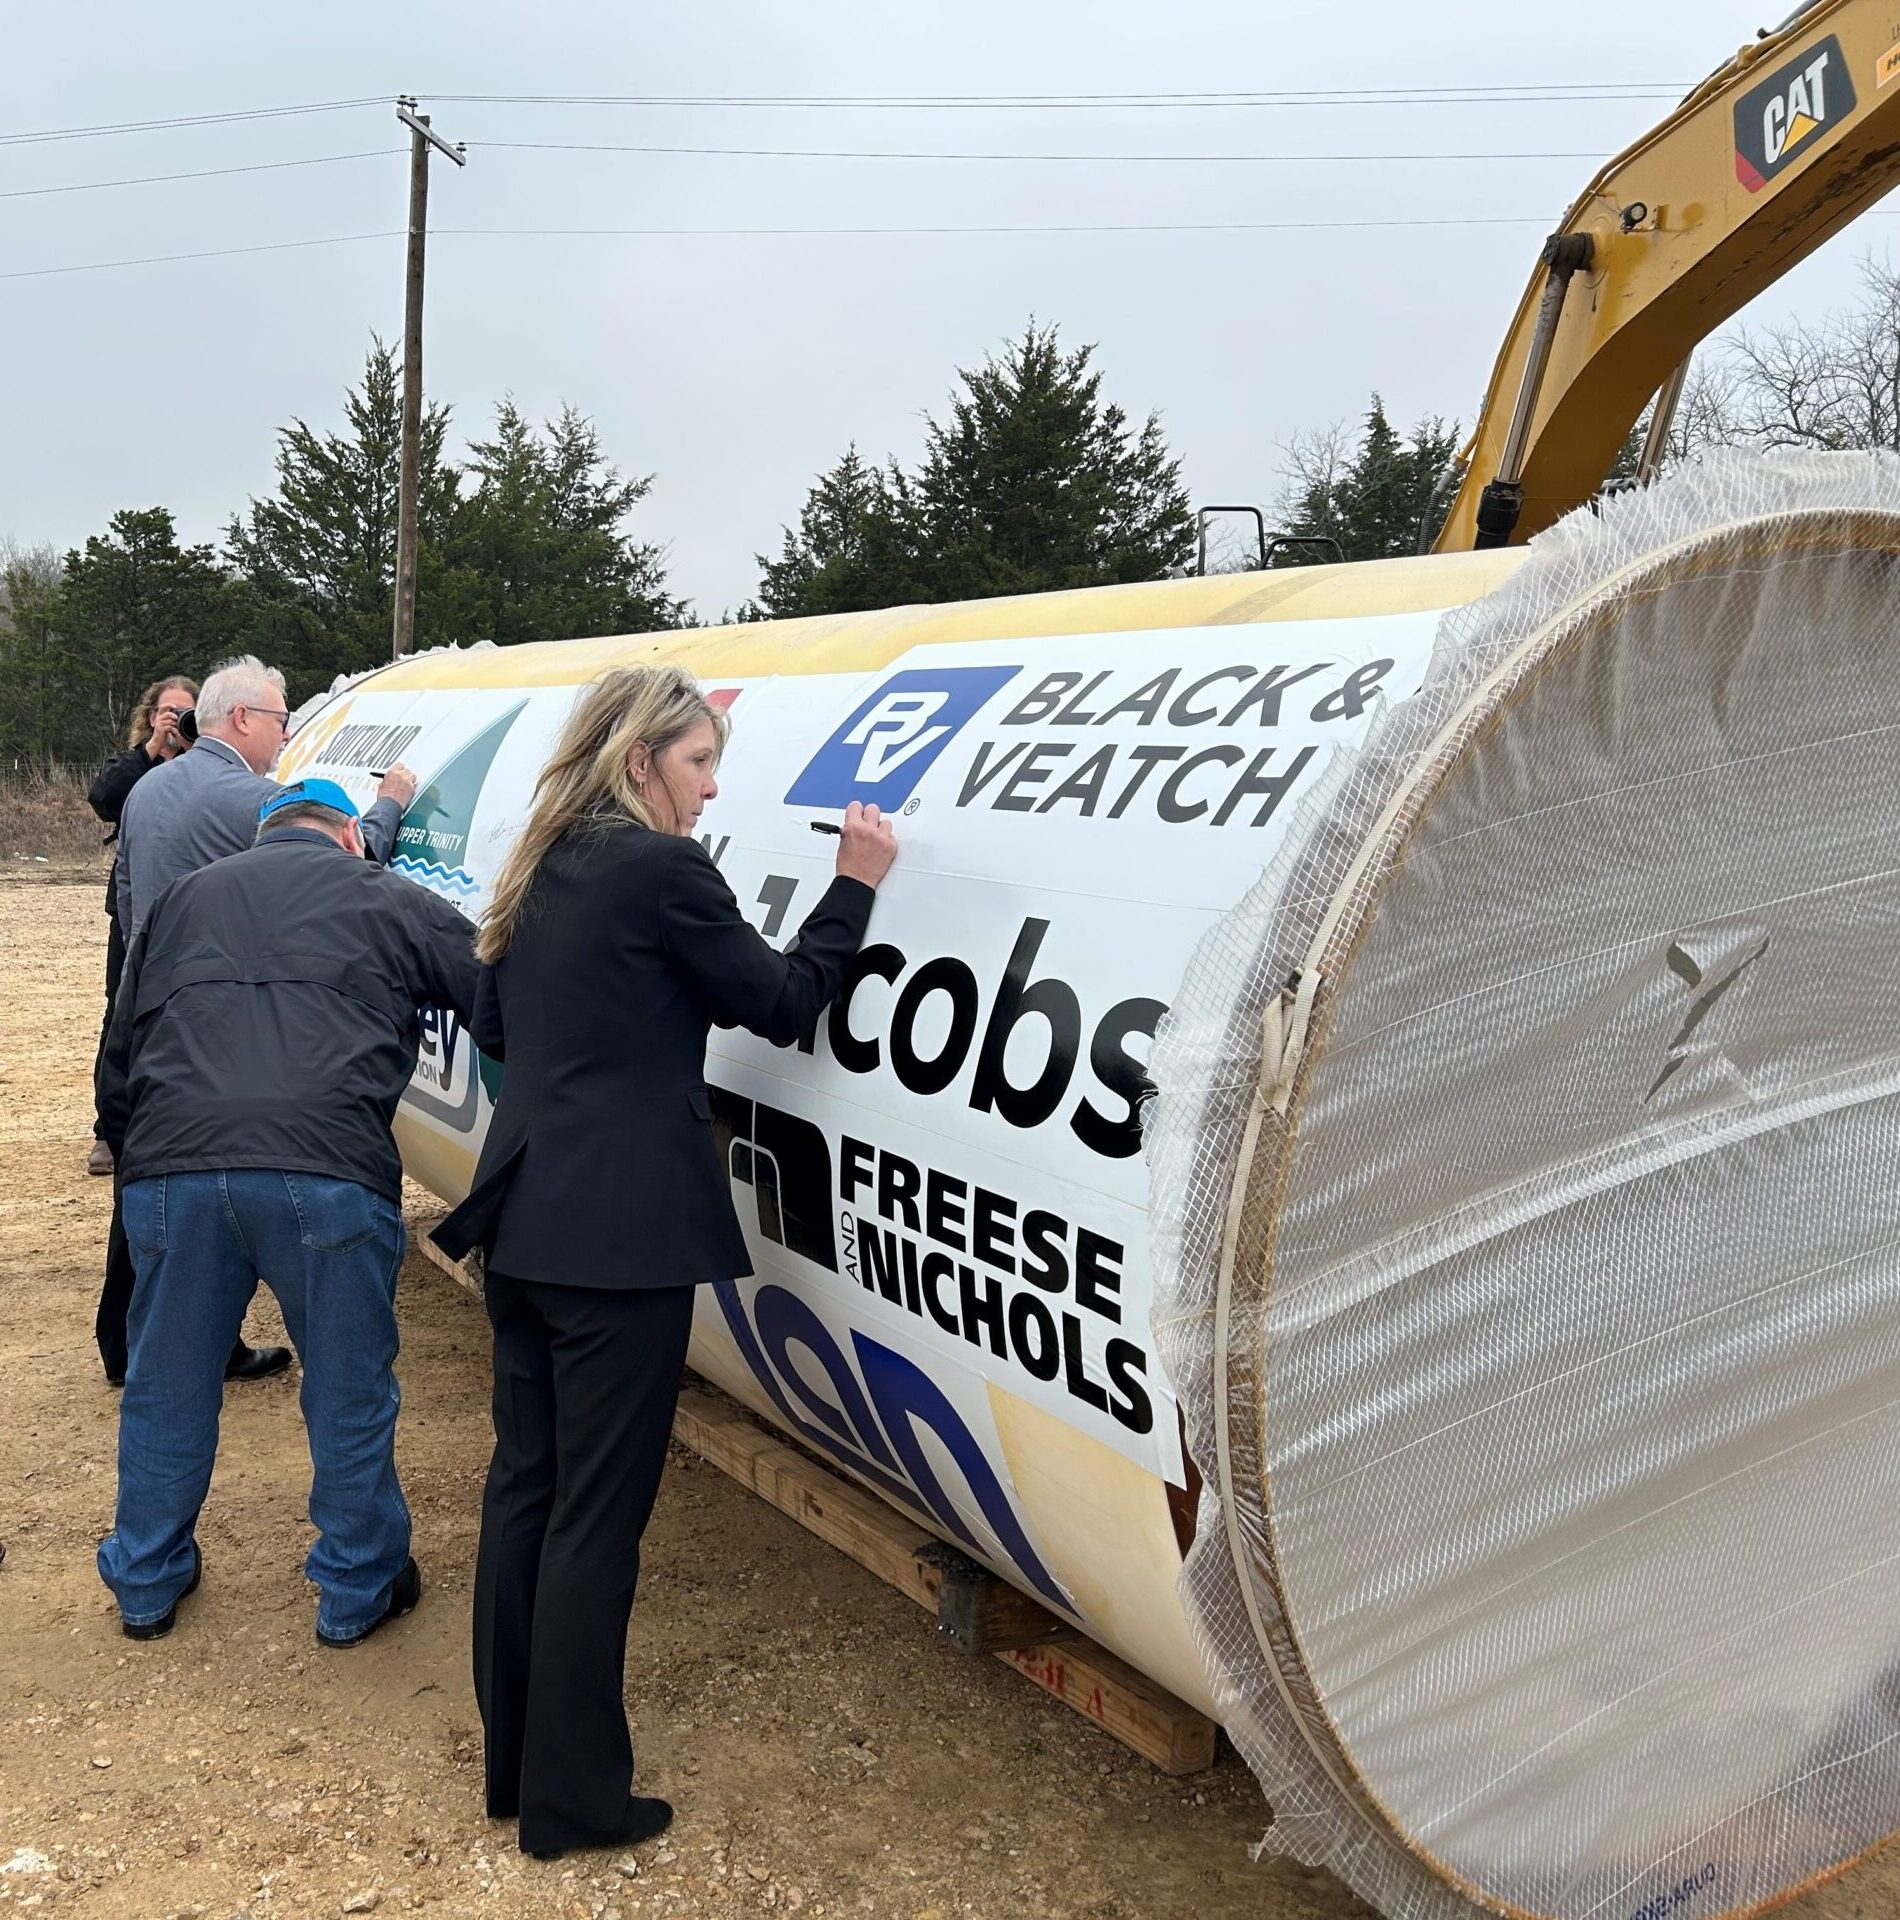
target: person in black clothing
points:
(267, 1025)
(612, 945)
(152, 738)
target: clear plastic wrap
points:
(1525, 1171)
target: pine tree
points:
(852, 548)
(134, 605)
(321, 553)
(1034, 485)
(1374, 499)
(1031, 484)
(537, 549)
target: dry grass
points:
(44, 817)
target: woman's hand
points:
(867, 846)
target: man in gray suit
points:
(200, 807)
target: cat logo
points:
(1780, 121)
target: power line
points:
(765, 233)
(794, 153)
(1533, 92)
(824, 233)
(207, 173)
(1538, 93)
(214, 253)
(191, 120)
(860, 153)
(1120, 226)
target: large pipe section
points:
(1471, 1368)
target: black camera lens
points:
(188, 724)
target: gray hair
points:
(243, 682)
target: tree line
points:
(525, 539)
(1030, 481)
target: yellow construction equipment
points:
(1773, 154)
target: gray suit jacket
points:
(196, 809)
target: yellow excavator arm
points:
(1769, 157)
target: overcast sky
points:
(733, 368)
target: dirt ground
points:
(826, 1754)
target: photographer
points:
(152, 737)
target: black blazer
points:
(599, 1169)
(107, 796)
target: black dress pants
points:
(115, 971)
(586, 1381)
(115, 1297)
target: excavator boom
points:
(1769, 157)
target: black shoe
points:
(159, 1628)
(645, 1819)
(403, 1595)
(256, 1363)
(115, 1379)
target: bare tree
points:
(1830, 383)
(1312, 466)
(31, 656)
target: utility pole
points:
(421, 140)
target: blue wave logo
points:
(452, 882)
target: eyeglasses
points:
(280, 714)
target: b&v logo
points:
(889, 742)
(1779, 121)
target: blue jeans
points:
(330, 1251)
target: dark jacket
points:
(106, 797)
(599, 1169)
(203, 807)
(267, 1017)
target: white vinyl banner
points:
(942, 1187)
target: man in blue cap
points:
(265, 1029)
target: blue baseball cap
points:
(307, 793)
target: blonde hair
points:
(588, 781)
(140, 729)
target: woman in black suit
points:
(611, 945)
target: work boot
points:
(404, 1592)
(159, 1628)
(99, 1160)
(255, 1363)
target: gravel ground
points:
(826, 1754)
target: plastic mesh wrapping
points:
(1525, 1175)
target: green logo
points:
(432, 842)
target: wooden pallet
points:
(976, 1612)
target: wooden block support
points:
(979, 1613)
(975, 1610)
(419, 1242)
(1136, 1710)
(841, 1514)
